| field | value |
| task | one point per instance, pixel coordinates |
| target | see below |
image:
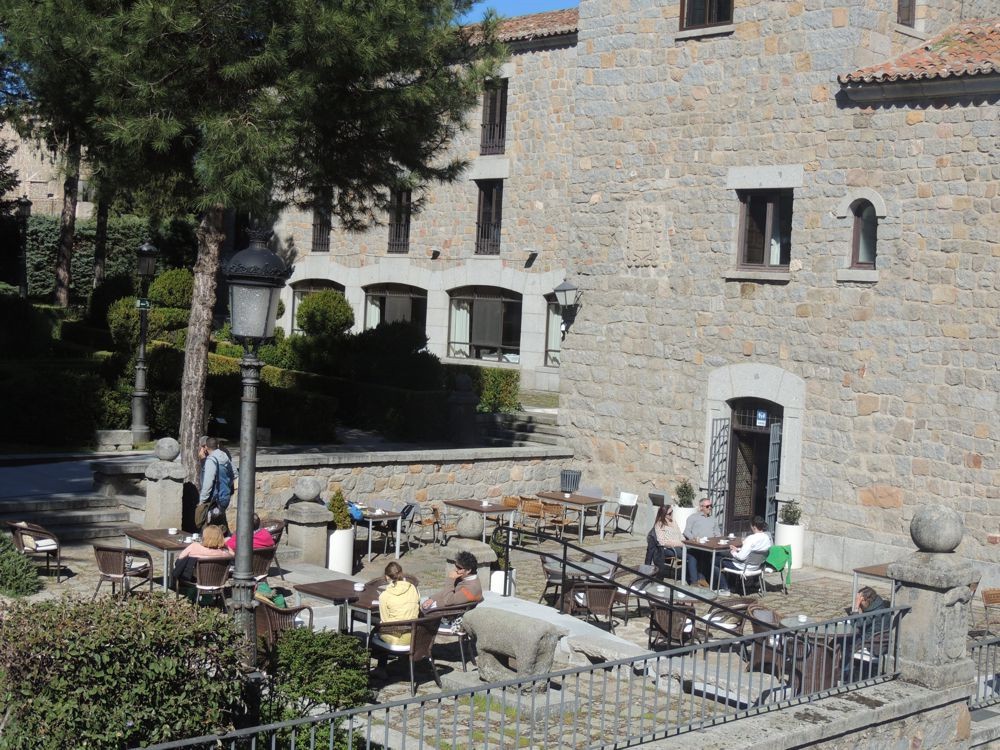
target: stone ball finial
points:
(936, 529)
(167, 449)
(470, 526)
(307, 488)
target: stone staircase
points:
(520, 429)
(72, 517)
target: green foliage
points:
(791, 513)
(338, 506)
(57, 405)
(325, 313)
(115, 409)
(8, 290)
(112, 289)
(123, 323)
(172, 288)
(18, 574)
(685, 494)
(113, 674)
(499, 390)
(166, 413)
(24, 331)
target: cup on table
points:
(196, 537)
(565, 494)
(189, 539)
(802, 618)
(660, 589)
(359, 587)
(732, 535)
(702, 539)
(172, 531)
(485, 503)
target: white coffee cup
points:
(172, 531)
(485, 503)
(189, 539)
(359, 587)
(732, 535)
(660, 589)
(565, 494)
(803, 618)
(703, 539)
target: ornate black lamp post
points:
(23, 214)
(146, 270)
(255, 277)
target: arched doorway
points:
(754, 463)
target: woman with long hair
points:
(664, 540)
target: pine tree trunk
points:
(210, 238)
(67, 223)
(100, 240)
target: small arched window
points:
(863, 248)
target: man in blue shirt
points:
(701, 524)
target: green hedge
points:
(499, 389)
(18, 574)
(56, 406)
(117, 674)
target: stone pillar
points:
(164, 487)
(462, 413)
(308, 522)
(934, 583)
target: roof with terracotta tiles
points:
(966, 49)
(539, 25)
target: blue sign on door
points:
(761, 418)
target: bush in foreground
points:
(113, 674)
(18, 574)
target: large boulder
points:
(504, 637)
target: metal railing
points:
(985, 654)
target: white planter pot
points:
(496, 581)
(340, 551)
(792, 536)
(681, 516)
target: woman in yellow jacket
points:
(399, 601)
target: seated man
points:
(261, 537)
(465, 587)
(701, 524)
(758, 541)
(869, 640)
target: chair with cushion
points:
(423, 632)
(753, 567)
(622, 518)
(552, 568)
(636, 587)
(260, 563)
(122, 565)
(671, 624)
(592, 599)
(452, 627)
(211, 578)
(727, 619)
(271, 620)
(764, 654)
(32, 540)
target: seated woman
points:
(399, 601)
(261, 537)
(664, 540)
(212, 544)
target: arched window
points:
(391, 303)
(485, 323)
(302, 289)
(863, 247)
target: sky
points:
(510, 8)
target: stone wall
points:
(900, 367)
(411, 476)
(536, 212)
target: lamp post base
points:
(140, 436)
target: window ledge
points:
(474, 362)
(744, 274)
(867, 275)
(910, 32)
(722, 29)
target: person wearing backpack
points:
(218, 480)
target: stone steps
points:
(71, 517)
(521, 429)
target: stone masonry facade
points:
(889, 377)
(535, 169)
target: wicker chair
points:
(452, 627)
(592, 599)
(32, 540)
(765, 654)
(272, 620)
(671, 624)
(260, 563)
(423, 632)
(727, 619)
(120, 565)
(211, 578)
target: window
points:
(906, 12)
(392, 303)
(485, 323)
(399, 221)
(302, 289)
(321, 226)
(865, 235)
(489, 217)
(494, 118)
(697, 13)
(553, 332)
(765, 228)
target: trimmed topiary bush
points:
(113, 289)
(113, 674)
(18, 574)
(172, 288)
(324, 313)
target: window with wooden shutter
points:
(489, 217)
(494, 126)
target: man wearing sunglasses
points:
(701, 524)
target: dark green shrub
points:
(324, 313)
(172, 288)
(24, 330)
(18, 574)
(115, 409)
(113, 674)
(112, 289)
(170, 318)
(685, 494)
(56, 406)
(6, 290)
(166, 413)
(80, 333)
(123, 323)
(499, 390)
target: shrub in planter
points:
(18, 574)
(685, 494)
(172, 288)
(113, 674)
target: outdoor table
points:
(168, 544)
(714, 545)
(682, 593)
(874, 571)
(482, 507)
(575, 569)
(341, 591)
(372, 516)
(579, 502)
(841, 627)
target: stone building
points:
(477, 266)
(40, 178)
(786, 235)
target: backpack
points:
(225, 479)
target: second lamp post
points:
(140, 396)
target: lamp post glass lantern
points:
(566, 295)
(146, 270)
(255, 276)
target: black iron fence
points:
(985, 654)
